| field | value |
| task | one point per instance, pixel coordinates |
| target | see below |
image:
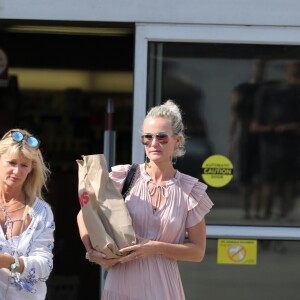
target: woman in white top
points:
(27, 224)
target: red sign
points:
(84, 199)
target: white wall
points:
(231, 12)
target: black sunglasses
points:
(161, 137)
(18, 136)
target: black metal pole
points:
(110, 135)
(109, 152)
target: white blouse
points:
(35, 247)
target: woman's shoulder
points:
(40, 206)
(195, 191)
(189, 183)
(120, 169)
(118, 173)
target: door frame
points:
(145, 33)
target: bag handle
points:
(129, 180)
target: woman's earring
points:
(174, 160)
(147, 160)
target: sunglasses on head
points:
(18, 136)
(161, 137)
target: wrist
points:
(160, 248)
(15, 264)
(88, 253)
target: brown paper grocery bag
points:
(103, 208)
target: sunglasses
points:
(18, 136)
(161, 137)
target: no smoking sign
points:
(237, 253)
(242, 252)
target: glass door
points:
(240, 102)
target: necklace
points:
(8, 222)
(14, 210)
(3, 206)
(8, 205)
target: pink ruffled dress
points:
(156, 277)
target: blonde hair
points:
(37, 178)
(171, 111)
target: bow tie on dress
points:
(158, 191)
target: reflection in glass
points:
(229, 95)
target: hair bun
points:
(170, 104)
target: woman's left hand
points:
(142, 249)
(100, 259)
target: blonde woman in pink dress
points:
(164, 205)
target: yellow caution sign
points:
(217, 170)
(237, 252)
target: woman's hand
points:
(192, 250)
(100, 259)
(142, 249)
(7, 260)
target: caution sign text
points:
(217, 171)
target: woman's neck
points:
(10, 197)
(160, 174)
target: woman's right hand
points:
(100, 259)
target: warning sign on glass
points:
(237, 252)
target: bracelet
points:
(87, 255)
(14, 267)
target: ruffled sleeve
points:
(118, 175)
(198, 202)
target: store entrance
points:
(57, 87)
